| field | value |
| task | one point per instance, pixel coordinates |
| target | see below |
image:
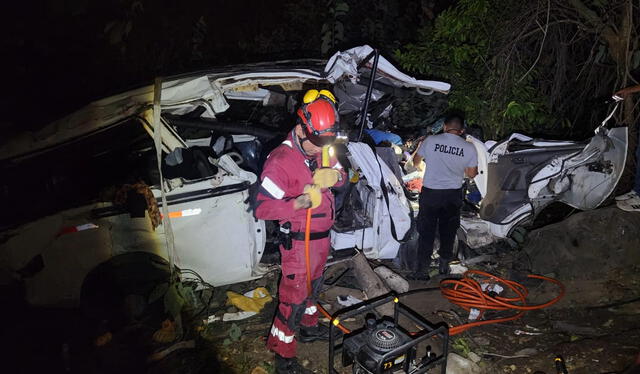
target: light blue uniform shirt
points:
(446, 156)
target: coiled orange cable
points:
(467, 293)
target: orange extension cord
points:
(307, 240)
(467, 293)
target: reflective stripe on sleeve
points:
(281, 335)
(272, 188)
(185, 213)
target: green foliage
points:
(333, 29)
(235, 333)
(460, 47)
(461, 346)
(176, 297)
(384, 24)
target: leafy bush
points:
(462, 47)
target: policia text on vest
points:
(446, 157)
(449, 149)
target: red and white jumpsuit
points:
(286, 171)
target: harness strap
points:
(313, 236)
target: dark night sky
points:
(58, 56)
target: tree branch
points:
(608, 33)
(544, 37)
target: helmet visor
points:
(321, 140)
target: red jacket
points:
(284, 176)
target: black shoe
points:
(290, 366)
(418, 275)
(314, 333)
(443, 267)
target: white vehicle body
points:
(390, 215)
(213, 230)
(520, 176)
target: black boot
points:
(443, 267)
(317, 332)
(289, 366)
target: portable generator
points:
(382, 346)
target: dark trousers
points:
(439, 210)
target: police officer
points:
(448, 157)
(292, 182)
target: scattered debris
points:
(492, 287)
(348, 300)
(370, 282)
(474, 357)
(251, 301)
(457, 364)
(187, 344)
(237, 316)
(457, 268)
(522, 332)
(167, 333)
(394, 281)
(527, 352)
(473, 314)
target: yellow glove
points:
(314, 194)
(325, 177)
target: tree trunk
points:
(619, 39)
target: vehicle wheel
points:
(117, 290)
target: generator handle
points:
(423, 367)
(359, 308)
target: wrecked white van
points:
(215, 130)
(83, 174)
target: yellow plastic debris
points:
(252, 301)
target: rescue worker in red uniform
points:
(291, 182)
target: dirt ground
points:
(595, 328)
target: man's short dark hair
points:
(454, 121)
